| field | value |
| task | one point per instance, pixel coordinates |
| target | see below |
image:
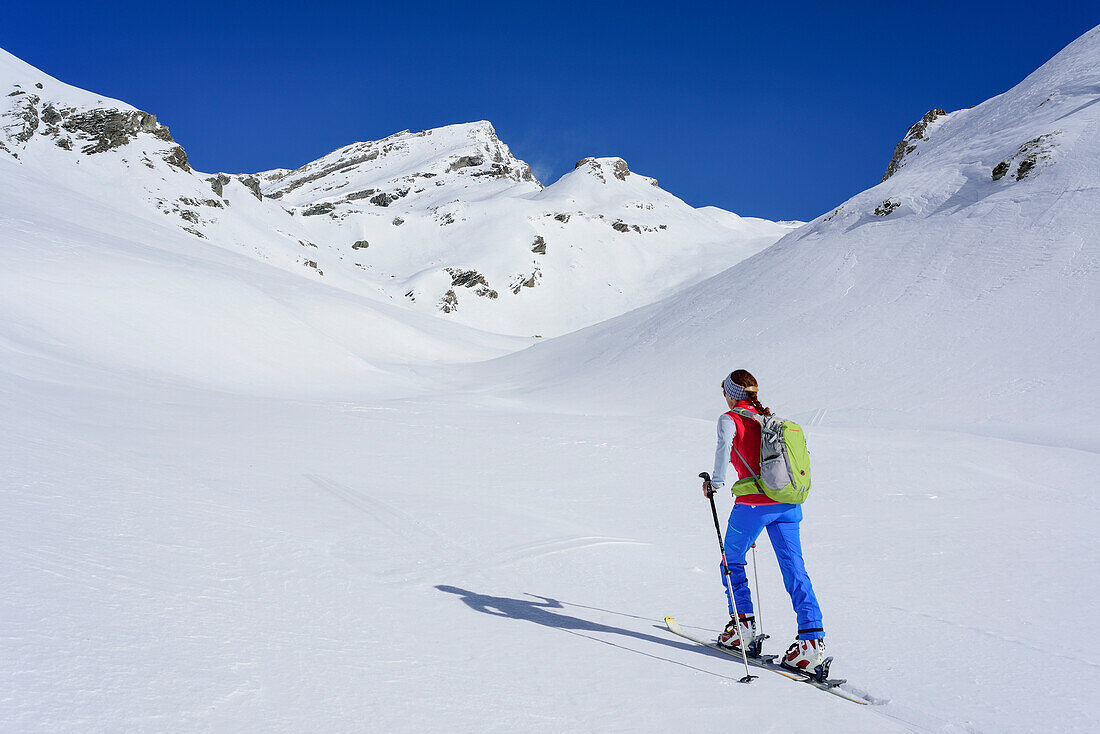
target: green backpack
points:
(784, 461)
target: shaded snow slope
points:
(960, 292)
(445, 222)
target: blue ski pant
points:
(746, 522)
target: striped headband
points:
(734, 391)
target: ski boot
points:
(734, 633)
(808, 657)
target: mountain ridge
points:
(446, 221)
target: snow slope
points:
(240, 499)
(947, 295)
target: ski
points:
(768, 662)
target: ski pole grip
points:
(704, 475)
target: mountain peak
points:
(403, 162)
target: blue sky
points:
(774, 110)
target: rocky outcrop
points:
(217, 183)
(97, 130)
(886, 208)
(471, 279)
(449, 302)
(107, 128)
(1027, 157)
(466, 161)
(318, 209)
(526, 281)
(386, 198)
(539, 247)
(252, 184)
(907, 144)
(177, 157)
(27, 114)
(343, 162)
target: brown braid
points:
(745, 379)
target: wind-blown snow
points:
(241, 494)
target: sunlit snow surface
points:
(237, 498)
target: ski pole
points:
(749, 677)
(759, 600)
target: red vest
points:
(747, 441)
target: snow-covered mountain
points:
(245, 485)
(446, 222)
(961, 291)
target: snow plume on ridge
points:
(960, 291)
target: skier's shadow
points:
(539, 613)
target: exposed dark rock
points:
(317, 209)
(29, 115)
(355, 195)
(306, 243)
(449, 302)
(176, 157)
(471, 279)
(466, 278)
(65, 143)
(50, 115)
(580, 163)
(217, 183)
(620, 170)
(204, 202)
(1025, 168)
(886, 208)
(398, 221)
(109, 128)
(465, 161)
(496, 170)
(525, 281)
(620, 226)
(190, 216)
(38, 84)
(1026, 157)
(252, 184)
(194, 232)
(539, 245)
(16, 93)
(563, 218)
(322, 171)
(387, 198)
(360, 245)
(906, 145)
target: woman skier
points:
(740, 437)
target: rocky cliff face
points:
(29, 117)
(908, 144)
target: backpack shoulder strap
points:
(748, 414)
